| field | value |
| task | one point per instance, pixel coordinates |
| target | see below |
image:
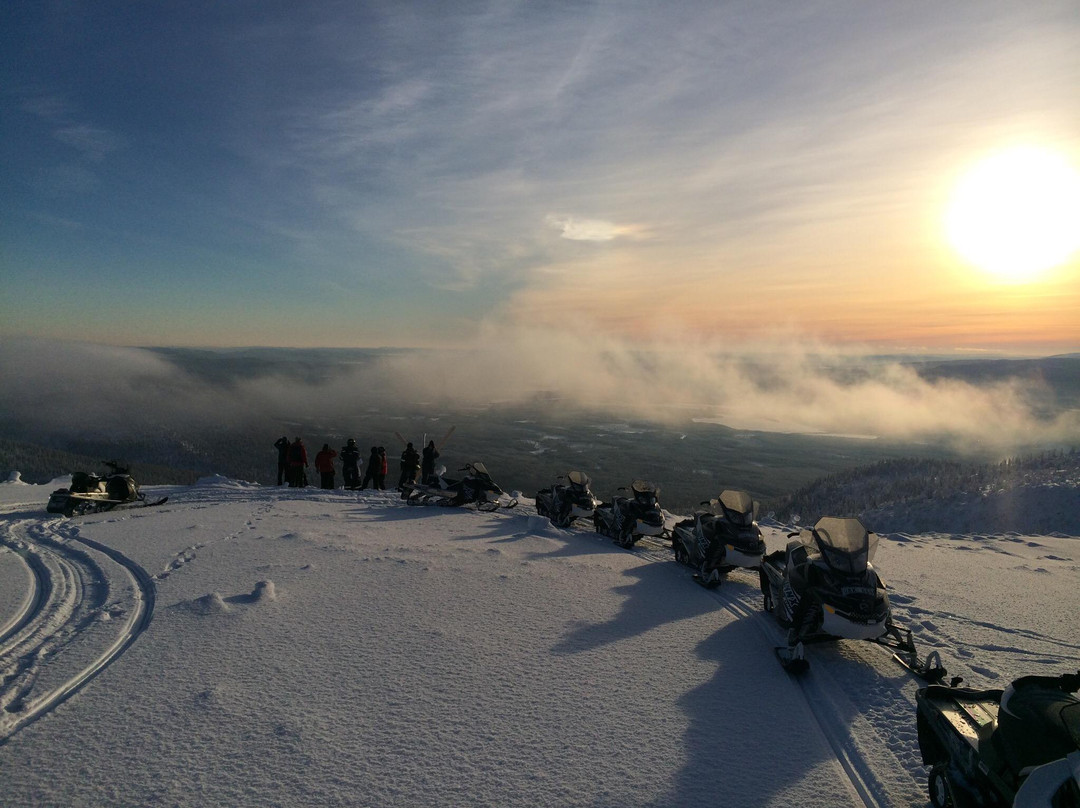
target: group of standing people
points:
(293, 465)
(292, 462)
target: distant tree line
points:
(909, 481)
(40, 464)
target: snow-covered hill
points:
(244, 645)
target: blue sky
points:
(364, 174)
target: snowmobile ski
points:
(928, 668)
(708, 583)
(792, 658)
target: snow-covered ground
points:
(251, 646)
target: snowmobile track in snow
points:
(823, 696)
(35, 597)
(73, 599)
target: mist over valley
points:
(692, 422)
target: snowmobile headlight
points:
(730, 546)
(829, 608)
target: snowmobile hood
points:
(846, 544)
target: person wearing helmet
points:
(350, 464)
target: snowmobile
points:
(627, 519)
(1019, 746)
(475, 487)
(90, 493)
(720, 539)
(566, 501)
(823, 587)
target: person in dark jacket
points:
(350, 464)
(374, 463)
(410, 465)
(282, 446)
(297, 464)
(324, 464)
(427, 467)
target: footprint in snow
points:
(214, 603)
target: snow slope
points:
(260, 646)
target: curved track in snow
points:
(34, 597)
(67, 631)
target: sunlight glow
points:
(1017, 214)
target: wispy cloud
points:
(575, 229)
(92, 142)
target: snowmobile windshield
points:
(846, 544)
(579, 480)
(478, 468)
(738, 507)
(645, 493)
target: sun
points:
(1016, 214)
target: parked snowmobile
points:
(1014, 747)
(89, 493)
(567, 500)
(475, 487)
(822, 587)
(720, 539)
(627, 519)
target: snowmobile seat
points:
(798, 558)
(81, 482)
(1037, 724)
(708, 528)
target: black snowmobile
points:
(720, 539)
(475, 487)
(822, 587)
(627, 519)
(1014, 747)
(567, 500)
(90, 493)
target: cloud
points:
(787, 385)
(575, 229)
(92, 142)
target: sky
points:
(442, 173)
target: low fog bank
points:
(81, 389)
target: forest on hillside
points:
(909, 481)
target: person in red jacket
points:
(297, 463)
(324, 464)
(384, 467)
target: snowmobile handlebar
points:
(1066, 683)
(1070, 682)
